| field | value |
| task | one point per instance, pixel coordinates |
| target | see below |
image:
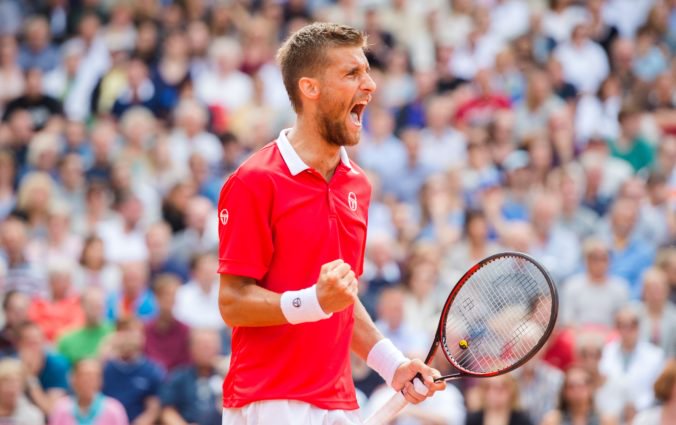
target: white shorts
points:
(288, 412)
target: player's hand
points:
(337, 286)
(407, 371)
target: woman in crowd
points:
(665, 392)
(498, 399)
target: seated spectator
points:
(498, 400)
(422, 304)
(629, 255)
(94, 270)
(87, 406)
(631, 146)
(532, 114)
(593, 296)
(665, 393)
(479, 109)
(134, 297)
(556, 247)
(15, 311)
(588, 349)
(197, 300)
(139, 90)
(631, 366)
(61, 311)
(381, 269)
(575, 217)
(42, 108)
(200, 234)
(38, 51)
(15, 409)
(122, 235)
(584, 62)
(539, 383)
(192, 394)
(21, 275)
(166, 339)
(390, 314)
(191, 135)
(86, 341)
(130, 377)
(158, 241)
(474, 246)
(47, 372)
(657, 315)
(59, 244)
(667, 262)
(576, 403)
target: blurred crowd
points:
(541, 126)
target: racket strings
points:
(501, 312)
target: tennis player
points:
(292, 235)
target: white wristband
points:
(302, 306)
(385, 358)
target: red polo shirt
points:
(280, 221)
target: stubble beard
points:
(335, 130)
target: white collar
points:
(294, 162)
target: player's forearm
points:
(365, 333)
(244, 304)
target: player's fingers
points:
(411, 395)
(349, 277)
(342, 270)
(431, 384)
(330, 266)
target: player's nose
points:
(368, 84)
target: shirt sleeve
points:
(244, 230)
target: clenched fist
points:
(337, 286)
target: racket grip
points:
(395, 404)
(385, 414)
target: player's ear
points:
(309, 87)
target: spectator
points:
(130, 377)
(592, 298)
(14, 407)
(10, 71)
(60, 312)
(575, 216)
(657, 315)
(532, 115)
(585, 64)
(576, 403)
(223, 84)
(191, 135)
(43, 109)
(200, 235)
(631, 146)
(135, 298)
(47, 372)
(139, 90)
(539, 383)
(21, 275)
(557, 248)
(197, 300)
(122, 235)
(15, 306)
(192, 393)
(667, 262)
(158, 242)
(441, 146)
(474, 247)
(498, 399)
(94, 270)
(390, 313)
(87, 405)
(166, 338)
(629, 255)
(86, 341)
(631, 365)
(588, 350)
(38, 51)
(665, 392)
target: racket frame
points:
(440, 334)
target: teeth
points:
(355, 118)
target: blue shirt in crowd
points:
(131, 383)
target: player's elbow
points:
(228, 299)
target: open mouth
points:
(356, 113)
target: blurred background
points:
(547, 127)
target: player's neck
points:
(313, 149)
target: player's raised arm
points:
(243, 303)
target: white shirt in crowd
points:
(230, 91)
(585, 66)
(632, 384)
(441, 152)
(197, 308)
(587, 303)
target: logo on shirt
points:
(352, 201)
(223, 216)
(296, 302)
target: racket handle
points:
(394, 405)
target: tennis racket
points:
(498, 315)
